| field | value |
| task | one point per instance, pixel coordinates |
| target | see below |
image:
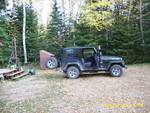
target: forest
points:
(121, 27)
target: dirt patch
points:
(50, 92)
(102, 93)
(23, 89)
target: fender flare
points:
(73, 64)
(121, 63)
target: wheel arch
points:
(114, 63)
(73, 64)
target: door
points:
(89, 58)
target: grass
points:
(42, 103)
(28, 106)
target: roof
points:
(79, 47)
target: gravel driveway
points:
(49, 92)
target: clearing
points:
(50, 92)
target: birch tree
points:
(24, 33)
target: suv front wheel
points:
(116, 70)
(73, 72)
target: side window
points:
(67, 53)
(79, 53)
(87, 53)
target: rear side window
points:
(72, 52)
(68, 52)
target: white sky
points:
(44, 7)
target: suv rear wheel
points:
(116, 70)
(73, 72)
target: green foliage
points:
(97, 14)
(116, 27)
(56, 30)
(5, 47)
(12, 27)
(32, 40)
(2, 4)
(146, 26)
(121, 36)
(4, 38)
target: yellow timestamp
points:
(123, 105)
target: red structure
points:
(44, 57)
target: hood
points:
(110, 58)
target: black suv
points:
(75, 60)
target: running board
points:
(100, 69)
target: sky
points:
(44, 8)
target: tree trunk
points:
(6, 3)
(130, 8)
(141, 29)
(24, 33)
(6, 10)
(141, 24)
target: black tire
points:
(73, 72)
(52, 63)
(116, 70)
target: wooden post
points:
(14, 57)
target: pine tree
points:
(56, 30)
(94, 24)
(4, 38)
(121, 42)
(2, 4)
(5, 41)
(146, 28)
(31, 32)
(97, 14)
(123, 37)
